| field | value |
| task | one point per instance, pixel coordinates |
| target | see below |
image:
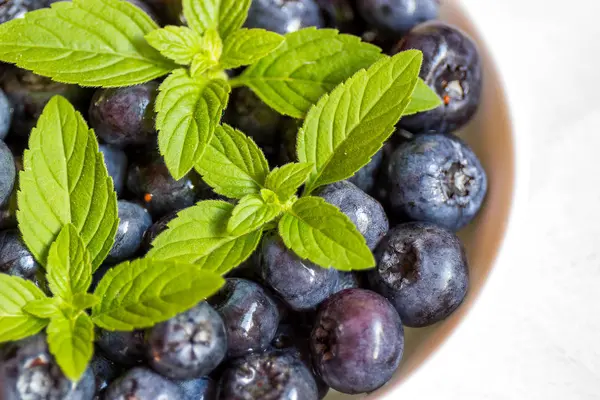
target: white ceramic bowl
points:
(491, 135)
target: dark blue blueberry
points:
(8, 173)
(134, 221)
(198, 389)
(5, 115)
(143, 384)
(436, 178)
(125, 348)
(341, 14)
(397, 16)
(13, 9)
(284, 16)
(348, 280)
(365, 178)
(125, 116)
(105, 371)
(15, 258)
(363, 210)
(422, 269)
(357, 341)
(250, 315)
(189, 345)
(300, 283)
(452, 68)
(156, 229)
(29, 372)
(288, 132)
(145, 7)
(268, 375)
(116, 164)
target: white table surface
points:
(535, 332)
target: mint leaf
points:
(65, 181)
(225, 16)
(44, 308)
(348, 126)
(15, 323)
(71, 342)
(83, 301)
(318, 231)
(189, 110)
(422, 99)
(88, 42)
(178, 43)
(199, 236)
(233, 165)
(201, 63)
(286, 180)
(142, 293)
(247, 46)
(69, 266)
(251, 213)
(310, 63)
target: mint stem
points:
(236, 82)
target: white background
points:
(535, 332)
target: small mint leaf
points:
(45, 308)
(286, 180)
(212, 43)
(269, 196)
(88, 42)
(233, 165)
(349, 125)
(318, 231)
(142, 293)
(15, 294)
(189, 110)
(309, 63)
(201, 63)
(69, 269)
(225, 16)
(178, 43)
(65, 181)
(199, 236)
(251, 213)
(83, 301)
(71, 342)
(422, 99)
(247, 46)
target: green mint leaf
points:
(225, 16)
(178, 43)
(69, 266)
(83, 301)
(15, 294)
(318, 231)
(45, 308)
(71, 342)
(201, 63)
(349, 125)
(247, 46)
(88, 42)
(310, 63)
(65, 181)
(422, 99)
(142, 293)
(212, 43)
(188, 111)
(233, 165)
(286, 180)
(251, 213)
(199, 236)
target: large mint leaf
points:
(310, 63)
(65, 181)
(88, 42)
(71, 342)
(188, 111)
(225, 16)
(422, 99)
(348, 126)
(15, 294)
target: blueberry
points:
(300, 283)
(357, 341)
(8, 173)
(268, 375)
(341, 14)
(143, 384)
(436, 178)
(422, 270)
(5, 115)
(250, 315)
(29, 372)
(452, 68)
(363, 210)
(156, 229)
(397, 16)
(284, 16)
(13, 9)
(365, 178)
(198, 389)
(125, 348)
(105, 371)
(116, 164)
(189, 345)
(125, 116)
(15, 258)
(143, 5)
(134, 220)
(348, 280)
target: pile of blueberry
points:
(282, 327)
